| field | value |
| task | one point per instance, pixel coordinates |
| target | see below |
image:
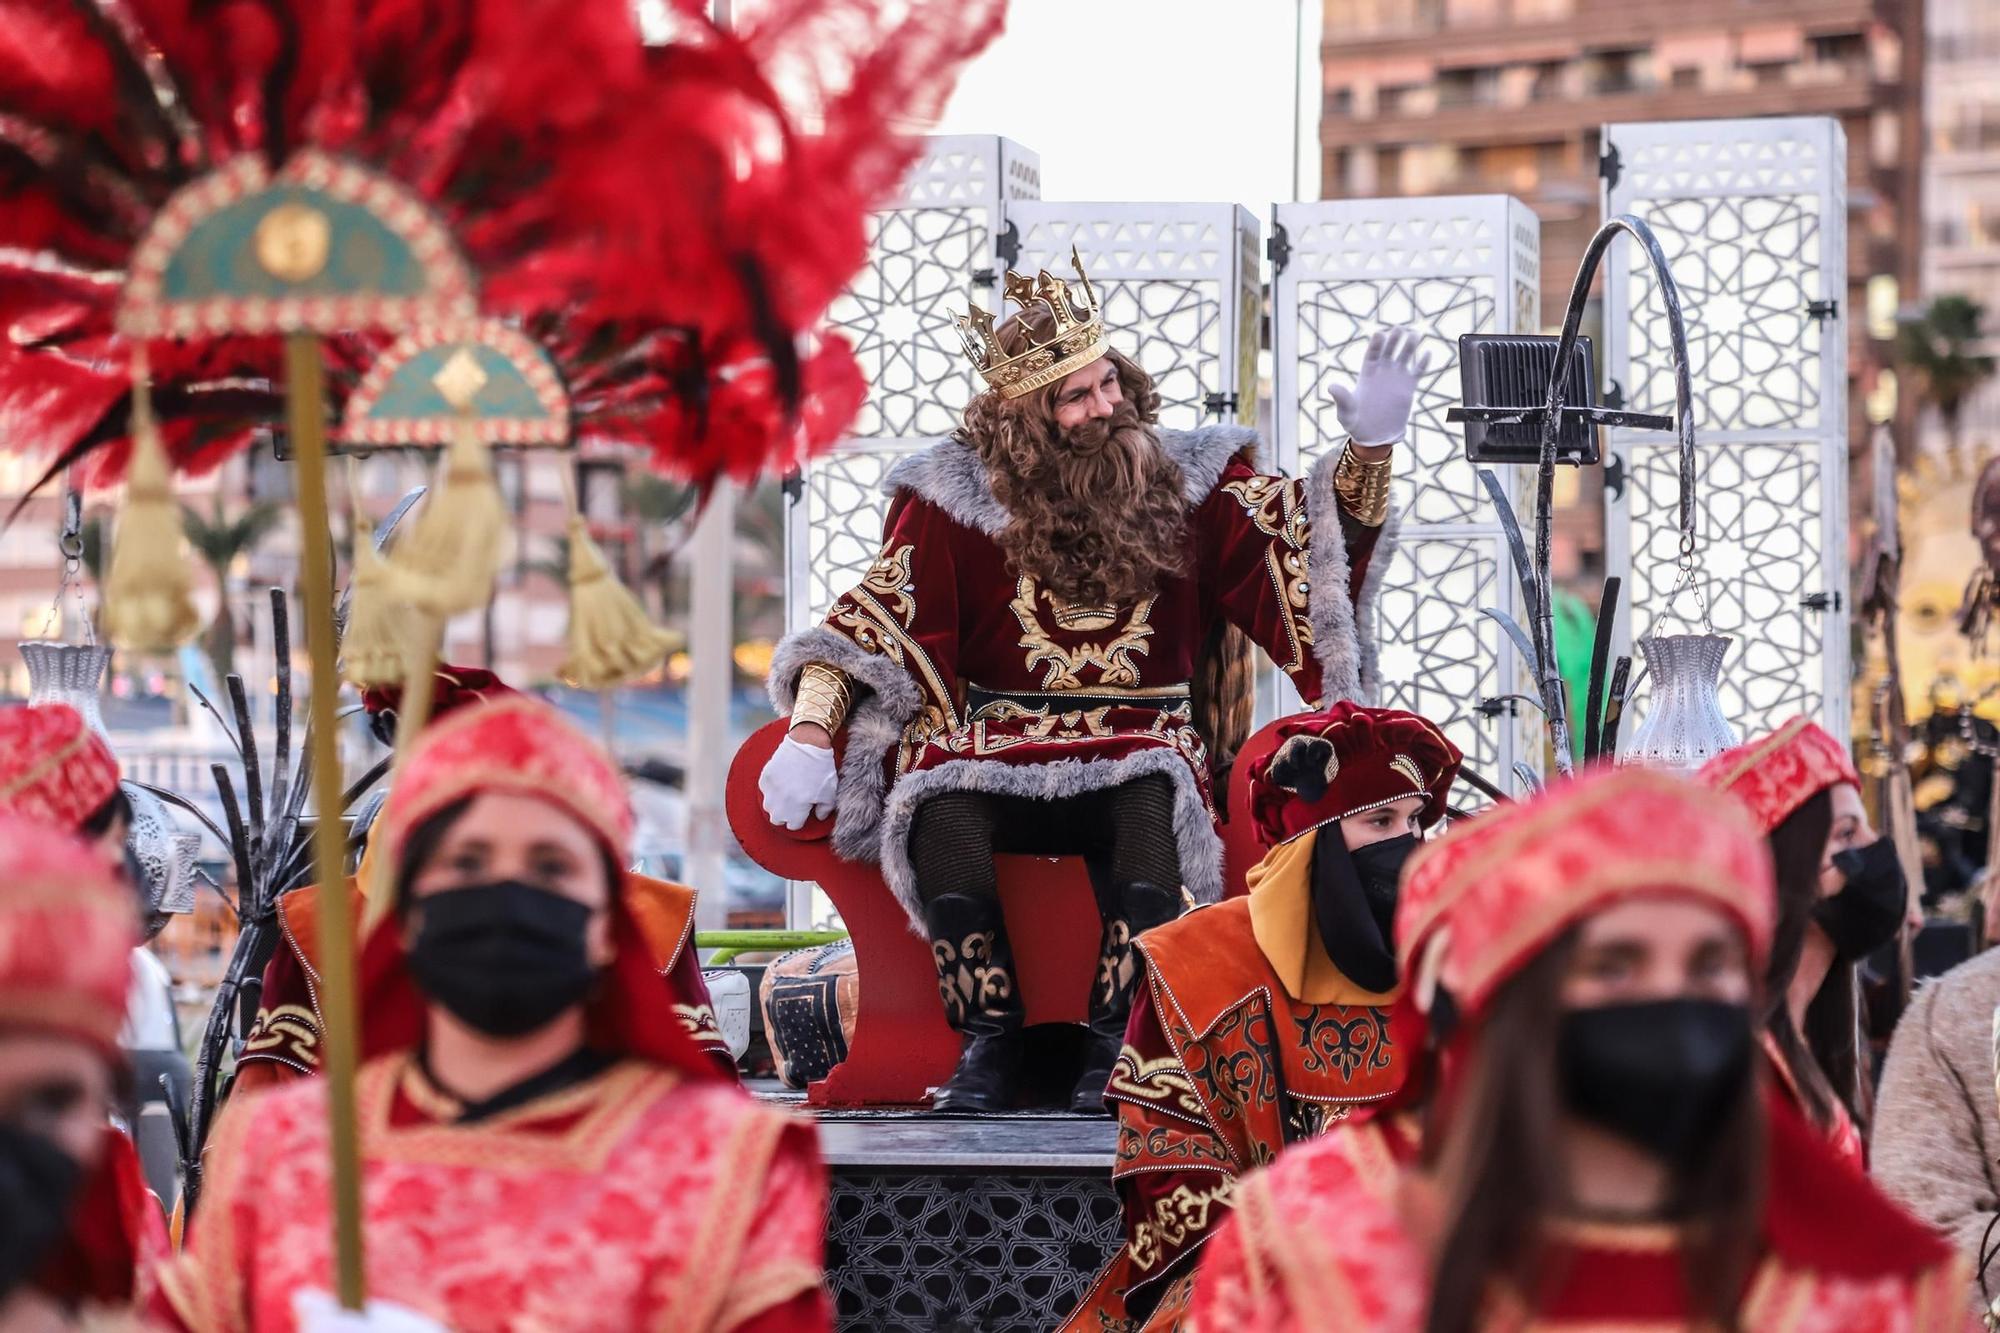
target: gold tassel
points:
(148, 590)
(376, 644)
(611, 641)
(453, 552)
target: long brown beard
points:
(1097, 515)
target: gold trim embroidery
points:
(291, 1025)
(1184, 1212)
(1113, 660)
(1277, 508)
(877, 615)
(968, 978)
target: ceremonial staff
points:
(247, 252)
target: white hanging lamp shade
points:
(1685, 726)
(68, 673)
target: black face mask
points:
(505, 959)
(1868, 910)
(38, 1184)
(1356, 923)
(1660, 1074)
(1380, 867)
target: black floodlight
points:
(1504, 381)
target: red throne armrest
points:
(902, 1045)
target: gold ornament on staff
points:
(148, 594)
(611, 639)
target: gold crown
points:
(1077, 338)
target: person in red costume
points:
(283, 1042)
(1597, 1146)
(1264, 1020)
(1031, 665)
(58, 774)
(75, 1218)
(1841, 895)
(542, 1144)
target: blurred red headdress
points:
(656, 212)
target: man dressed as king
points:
(1048, 655)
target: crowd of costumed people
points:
(1586, 1059)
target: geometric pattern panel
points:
(1446, 267)
(1758, 516)
(1171, 278)
(932, 255)
(1440, 656)
(898, 313)
(1752, 218)
(1434, 482)
(844, 509)
(917, 1253)
(1747, 267)
(1450, 266)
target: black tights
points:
(1125, 835)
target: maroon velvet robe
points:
(972, 677)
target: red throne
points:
(902, 1045)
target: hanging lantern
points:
(1686, 726)
(165, 858)
(68, 673)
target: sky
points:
(1171, 100)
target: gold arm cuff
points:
(824, 697)
(1363, 488)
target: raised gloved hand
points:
(798, 783)
(1376, 410)
(317, 1312)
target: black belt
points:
(1161, 699)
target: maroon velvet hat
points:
(1345, 759)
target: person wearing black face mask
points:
(283, 1043)
(76, 1223)
(1288, 988)
(1585, 1142)
(1841, 895)
(517, 1048)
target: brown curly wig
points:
(1096, 515)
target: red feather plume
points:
(671, 219)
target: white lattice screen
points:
(1447, 266)
(1752, 217)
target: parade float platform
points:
(943, 1223)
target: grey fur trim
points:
(1336, 639)
(1369, 603)
(950, 475)
(880, 713)
(1194, 831)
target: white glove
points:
(1377, 409)
(798, 783)
(317, 1312)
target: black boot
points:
(1140, 907)
(982, 1000)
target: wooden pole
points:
(305, 401)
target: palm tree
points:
(219, 540)
(1940, 348)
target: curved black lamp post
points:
(1534, 579)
